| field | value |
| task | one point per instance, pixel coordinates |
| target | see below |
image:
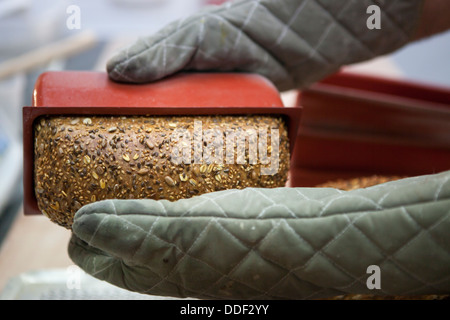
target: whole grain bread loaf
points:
(79, 160)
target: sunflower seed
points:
(169, 181)
(149, 144)
(143, 171)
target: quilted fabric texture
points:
(284, 243)
(293, 43)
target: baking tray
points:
(92, 93)
(357, 125)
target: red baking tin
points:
(93, 93)
(356, 125)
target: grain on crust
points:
(80, 160)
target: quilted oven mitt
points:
(284, 243)
(293, 43)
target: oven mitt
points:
(283, 243)
(293, 43)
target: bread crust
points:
(80, 160)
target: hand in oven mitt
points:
(282, 243)
(293, 43)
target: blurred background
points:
(35, 37)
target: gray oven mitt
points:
(293, 43)
(284, 243)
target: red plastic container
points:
(354, 125)
(92, 93)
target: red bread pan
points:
(92, 93)
(356, 125)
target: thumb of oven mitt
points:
(293, 43)
(283, 243)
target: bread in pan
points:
(80, 160)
